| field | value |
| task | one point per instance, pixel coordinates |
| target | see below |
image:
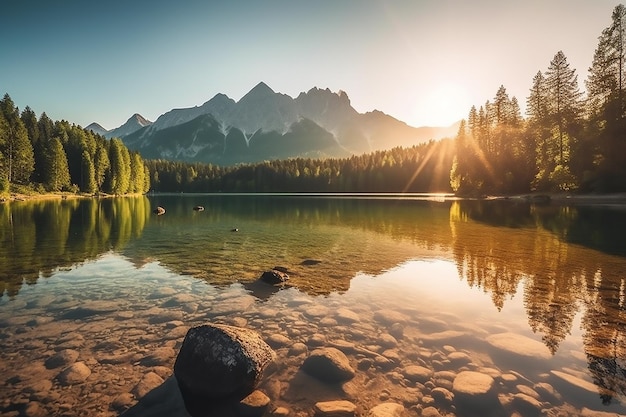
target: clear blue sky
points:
(425, 62)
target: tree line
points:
(58, 156)
(568, 142)
(421, 168)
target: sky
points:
(425, 62)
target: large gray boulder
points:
(219, 363)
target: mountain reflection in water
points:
(569, 262)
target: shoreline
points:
(538, 198)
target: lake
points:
(420, 292)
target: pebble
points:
(387, 410)
(338, 408)
(74, 374)
(390, 317)
(253, 405)
(519, 345)
(328, 364)
(147, 383)
(416, 373)
(159, 356)
(277, 340)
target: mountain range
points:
(265, 125)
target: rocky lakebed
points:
(116, 355)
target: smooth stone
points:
(528, 405)
(254, 405)
(74, 374)
(63, 358)
(387, 410)
(416, 373)
(347, 316)
(278, 340)
(328, 364)
(473, 383)
(442, 396)
(298, 348)
(430, 412)
(159, 356)
(43, 385)
(387, 341)
(519, 345)
(459, 358)
(123, 401)
(548, 393)
(575, 389)
(34, 409)
(280, 412)
(390, 317)
(474, 391)
(339, 408)
(147, 383)
(317, 311)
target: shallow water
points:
(531, 295)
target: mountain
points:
(96, 128)
(265, 125)
(134, 123)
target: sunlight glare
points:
(442, 105)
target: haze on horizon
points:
(423, 62)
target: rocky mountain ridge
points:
(264, 125)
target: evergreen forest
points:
(45, 156)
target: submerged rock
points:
(274, 276)
(329, 365)
(74, 374)
(475, 391)
(219, 362)
(387, 410)
(339, 408)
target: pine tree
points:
(564, 103)
(88, 179)
(101, 164)
(607, 103)
(56, 175)
(607, 75)
(120, 167)
(17, 151)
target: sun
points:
(441, 105)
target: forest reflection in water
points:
(567, 259)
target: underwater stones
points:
(338, 408)
(519, 345)
(64, 357)
(159, 356)
(254, 405)
(474, 391)
(345, 315)
(74, 374)
(219, 362)
(147, 383)
(329, 365)
(416, 373)
(387, 410)
(277, 340)
(390, 317)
